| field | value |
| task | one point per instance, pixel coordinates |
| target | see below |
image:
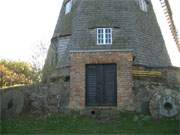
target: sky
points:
(24, 24)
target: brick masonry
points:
(124, 76)
(57, 96)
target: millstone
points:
(165, 103)
(13, 103)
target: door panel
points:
(110, 84)
(101, 89)
(91, 85)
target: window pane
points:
(100, 41)
(106, 41)
(143, 5)
(68, 7)
(100, 31)
(108, 37)
(108, 30)
(104, 36)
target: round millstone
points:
(165, 103)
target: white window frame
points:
(68, 7)
(143, 5)
(102, 37)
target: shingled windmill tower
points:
(97, 43)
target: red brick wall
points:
(124, 76)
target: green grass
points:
(64, 124)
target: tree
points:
(39, 52)
(22, 73)
(38, 55)
(17, 73)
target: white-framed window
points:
(68, 7)
(104, 36)
(143, 5)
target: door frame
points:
(115, 79)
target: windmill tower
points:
(97, 43)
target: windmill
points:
(97, 43)
(168, 14)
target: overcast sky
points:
(26, 23)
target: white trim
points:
(68, 7)
(103, 39)
(143, 5)
(108, 50)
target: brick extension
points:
(124, 76)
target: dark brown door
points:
(101, 85)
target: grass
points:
(125, 123)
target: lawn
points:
(125, 123)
